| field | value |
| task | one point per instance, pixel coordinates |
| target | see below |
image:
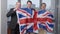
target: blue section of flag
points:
(20, 15)
(50, 15)
(29, 10)
(22, 27)
(41, 11)
(51, 25)
(30, 29)
(42, 26)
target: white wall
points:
(48, 2)
(3, 17)
(11, 3)
(59, 17)
(0, 16)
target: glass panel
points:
(11, 3)
(59, 17)
(36, 3)
(48, 3)
(23, 3)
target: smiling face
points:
(43, 6)
(18, 5)
(29, 3)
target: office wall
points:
(59, 17)
(52, 8)
(0, 16)
(11, 4)
(59, 11)
(3, 17)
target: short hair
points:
(29, 1)
(44, 4)
(17, 2)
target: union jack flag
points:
(37, 21)
(46, 22)
(25, 21)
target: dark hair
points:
(29, 1)
(44, 4)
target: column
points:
(0, 16)
(3, 17)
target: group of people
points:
(14, 25)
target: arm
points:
(10, 12)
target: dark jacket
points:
(13, 15)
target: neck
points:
(28, 7)
(42, 9)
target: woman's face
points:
(43, 6)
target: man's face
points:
(29, 4)
(43, 6)
(18, 5)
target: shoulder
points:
(48, 11)
(11, 8)
(32, 8)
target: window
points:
(11, 3)
(36, 2)
(48, 3)
(23, 3)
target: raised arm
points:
(12, 11)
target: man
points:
(30, 11)
(14, 25)
(43, 10)
(43, 13)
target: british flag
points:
(47, 19)
(44, 20)
(25, 21)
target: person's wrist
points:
(14, 9)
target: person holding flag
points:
(30, 10)
(26, 19)
(12, 13)
(46, 21)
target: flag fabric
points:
(32, 21)
(46, 22)
(25, 21)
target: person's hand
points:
(15, 8)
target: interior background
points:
(7, 4)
